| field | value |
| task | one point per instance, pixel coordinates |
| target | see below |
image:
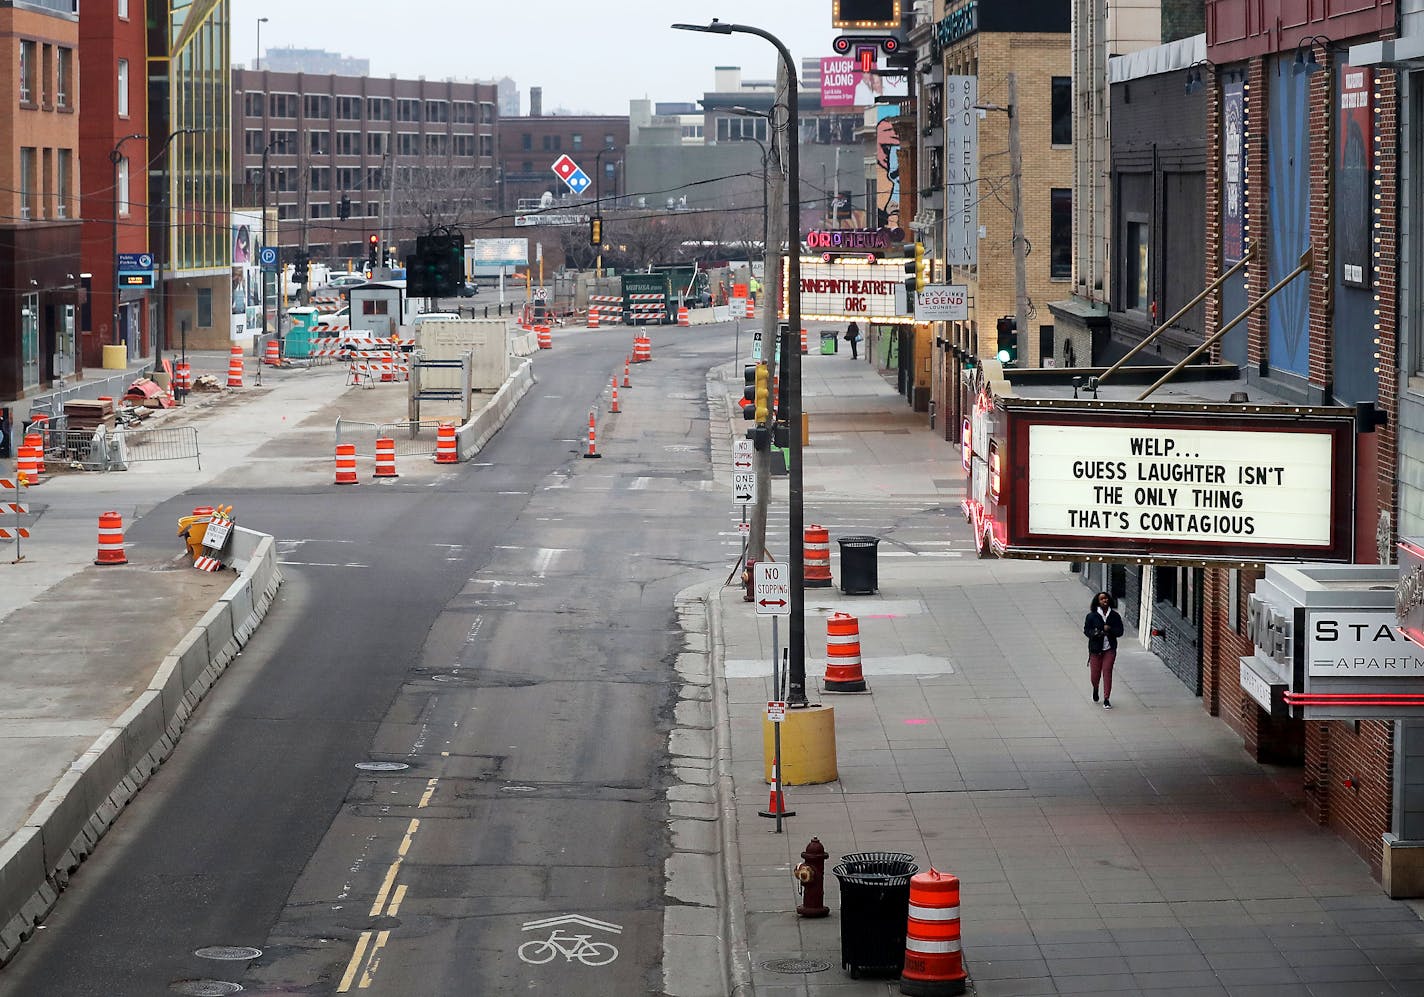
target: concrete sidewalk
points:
(1137, 850)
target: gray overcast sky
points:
(588, 56)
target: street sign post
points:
(776, 711)
(743, 486)
(267, 257)
(742, 454)
(135, 270)
(771, 589)
(756, 346)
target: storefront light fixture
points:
(1305, 61)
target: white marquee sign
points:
(853, 291)
(1198, 485)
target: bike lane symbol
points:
(538, 951)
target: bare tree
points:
(433, 196)
(647, 239)
(577, 249)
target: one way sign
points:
(771, 589)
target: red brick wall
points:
(1211, 317)
(1335, 752)
(1322, 273)
(1387, 286)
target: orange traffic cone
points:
(626, 383)
(592, 434)
(776, 806)
(614, 409)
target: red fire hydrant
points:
(748, 579)
(812, 875)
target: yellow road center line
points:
(429, 792)
(350, 973)
(385, 888)
(409, 835)
(374, 962)
(396, 899)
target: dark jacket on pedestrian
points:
(852, 333)
(1102, 631)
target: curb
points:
(36, 863)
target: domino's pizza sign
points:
(568, 171)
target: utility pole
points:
(1020, 247)
(773, 235)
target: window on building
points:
(437, 111)
(252, 141)
(375, 306)
(348, 143)
(349, 178)
(373, 209)
(463, 112)
(64, 60)
(486, 145)
(577, 141)
(1062, 110)
(1060, 234)
(1233, 601)
(205, 307)
(27, 72)
(284, 142)
(407, 110)
(47, 182)
(284, 105)
(319, 143)
(286, 212)
(320, 209)
(486, 113)
(46, 74)
(548, 143)
(30, 340)
(377, 143)
(124, 9)
(27, 182)
(121, 192)
(608, 141)
(321, 178)
(465, 145)
(62, 166)
(123, 88)
(317, 106)
(378, 109)
(1135, 251)
(526, 142)
(437, 145)
(407, 143)
(348, 108)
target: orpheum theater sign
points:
(1152, 482)
(852, 290)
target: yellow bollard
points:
(808, 747)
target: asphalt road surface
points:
(507, 635)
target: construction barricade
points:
(447, 450)
(12, 508)
(817, 557)
(111, 539)
(934, 956)
(642, 349)
(345, 464)
(234, 367)
(544, 336)
(647, 308)
(843, 667)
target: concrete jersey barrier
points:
(38, 860)
(473, 435)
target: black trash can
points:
(860, 573)
(875, 902)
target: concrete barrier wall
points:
(37, 861)
(473, 435)
(523, 344)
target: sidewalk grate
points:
(796, 966)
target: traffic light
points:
(595, 230)
(300, 262)
(763, 395)
(922, 267)
(748, 402)
(912, 273)
(373, 249)
(1007, 327)
(345, 211)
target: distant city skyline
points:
(586, 60)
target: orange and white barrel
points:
(35, 441)
(447, 449)
(934, 956)
(642, 349)
(817, 557)
(28, 464)
(183, 376)
(804, 345)
(346, 464)
(683, 318)
(273, 356)
(386, 458)
(843, 667)
(111, 539)
(545, 337)
(234, 367)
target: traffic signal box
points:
(756, 403)
(595, 230)
(1007, 328)
(301, 263)
(437, 270)
(373, 250)
(748, 402)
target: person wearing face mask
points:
(1102, 626)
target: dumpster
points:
(828, 343)
(859, 571)
(875, 903)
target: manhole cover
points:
(382, 766)
(205, 988)
(229, 953)
(794, 966)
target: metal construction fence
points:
(136, 445)
(413, 438)
(102, 450)
(52, 403)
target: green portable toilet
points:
(297, 345)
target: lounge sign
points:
(1168, 482)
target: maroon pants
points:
(1100, 665)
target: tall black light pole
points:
(116, 157)
(161, 255)
(797, 660)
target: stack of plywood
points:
(88, 414)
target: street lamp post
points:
(598, 200)
(161, 255)
(116, 158)
(257, 62)
(796, 695)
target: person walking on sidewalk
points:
(1102, 626)
(852, 336)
